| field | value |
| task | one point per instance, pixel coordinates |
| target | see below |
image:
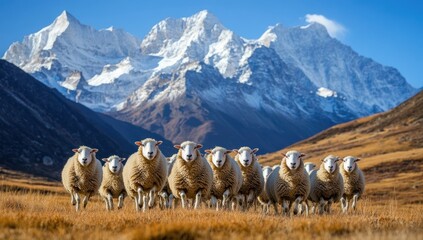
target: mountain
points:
(332, 65)
(390, 146)
(39, 127)
(193, 78)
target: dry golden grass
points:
(41, 215)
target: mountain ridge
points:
(294, 82)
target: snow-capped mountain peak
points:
(194, 78)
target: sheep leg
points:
(73, 201)
(197, 200)
(275, 206)
(217, 205)
(78, 201)
(285, 207)
(213, 201)
(107, 204)
(297, 203)
(152, 194)
(344, 205)
(250, 199)
(86, 198)
(322, 204)
(306, 207)
(140, 192)
(234, 203)
(110, 200)
(170, 203)
(354, 201)
(183, 199)
(145, 201)
(120, 202)
(329, 205)
(225, 204)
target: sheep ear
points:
(337, 159)
(75, 150)
(358, 159)
(302, 155)
(105, 159)
(158, 143)
(122, 159)
(138, 143)
(208, 151)
(283, 154)
(198, 146)
(323, 160)
(254, 150)
(94, 150)
(235, 150)
(228, 151)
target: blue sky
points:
(388, 31)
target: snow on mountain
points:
(192, 78)
(368, 86)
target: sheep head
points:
(350, 163)
(148, 147)
(218, 155)
(309, 167)
(114, 163)
(329, 163)
(189, 150)
(246, 155)
(293, 159)
(85, 154)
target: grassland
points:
(35, 209)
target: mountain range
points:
(193, 79)
(40, 127)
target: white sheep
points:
(227, 178)
(82, 175)
(252, 175)
(191, 176)
(145, 173)
(327, 185)
(289, 183)
(112, 184)
(354, 182)
(309, 167)
(166, 196)
(263, 198)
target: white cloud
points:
(335, 29)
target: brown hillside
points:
(390, 145)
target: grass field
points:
(34, 209)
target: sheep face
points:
(149, 148)
(85, 156)
(188, 150)
(330, 163)
(246, 155)
(218, 155)
(293, 159)
(114, 163)
(350, 163)
(309, 167)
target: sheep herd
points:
(189, 179)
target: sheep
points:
(166, 196)
(82, 175)
(327, 185)
(263, 198)
(191, 176)
(309, 167)
(289, 183)
(252, 175)
(145, 173)
(227, 177)
(354, 182)
(112, 184)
